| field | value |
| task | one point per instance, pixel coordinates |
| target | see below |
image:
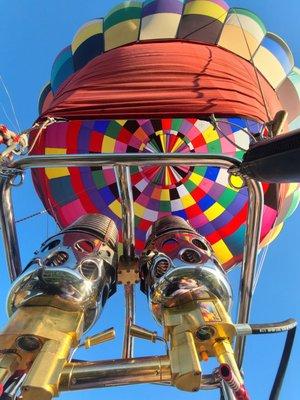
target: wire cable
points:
(7, 117)
(11, 104)
(260, 267)
(214, 122)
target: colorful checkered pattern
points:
(201, 195)
(198, 194)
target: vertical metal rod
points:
(128, 342)
(9, 231)
(125, 191)
(227, 393)
(254, 220)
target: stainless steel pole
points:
(9, 231)
(128, 342)
(125, 192)
(227, 392)
(256, 201)
(140, 159)
(123, 178)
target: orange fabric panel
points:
(165, 79)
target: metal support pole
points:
(9, 231)
(125, 192)
(256, 201)
(128, 342)
(114, 159)
(227, 393)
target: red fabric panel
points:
(165, 80)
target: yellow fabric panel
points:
(121, 122)
(269, 66)
(53, 173)
(121, 34)
(88, 30)
(160, 26)
(210, 134)
(195, 178)
(165, 195)
(214, 211)
(222, 252)
(139, 210)
(203, 7)
(179, 142)
(242, 44)
(292, 188)
(167, 177)
(162, 138)
(116, 208)
(187, 201)
(248, 24)
(108, 144)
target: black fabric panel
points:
(272, 196)
(199, 28)
(88, 50)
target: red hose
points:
(238, 389)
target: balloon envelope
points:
(147, 78)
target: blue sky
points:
(32, 32)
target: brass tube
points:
(8, 365)
(88, 375)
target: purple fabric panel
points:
(162, 6)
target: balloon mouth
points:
(167, 177)
(167, 142)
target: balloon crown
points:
(213, 22)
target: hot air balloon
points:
(160, 79)
(169, 76)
